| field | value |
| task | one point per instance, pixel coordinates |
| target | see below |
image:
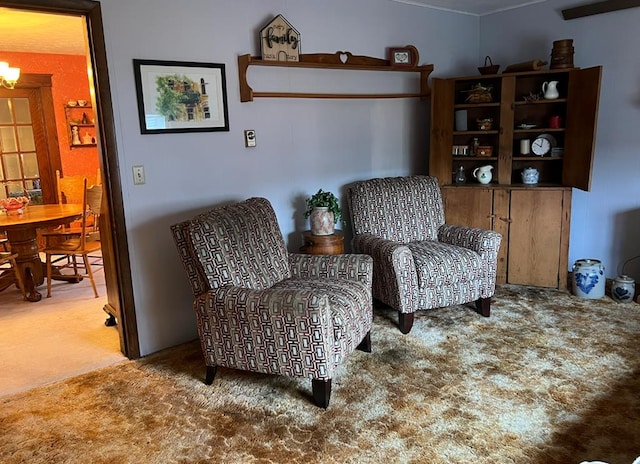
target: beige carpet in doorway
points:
(55, 338)
(549, 378)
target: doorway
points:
(117, 271)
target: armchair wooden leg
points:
(321, 392)
(405, 322)
(365, 344)
(483, 306)
(211, 373)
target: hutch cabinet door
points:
(484, 208)
(441, 130)
(538, 237)
(471, 207)
(501, 222)
(584, 94)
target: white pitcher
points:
(483, 174)
(550, 90)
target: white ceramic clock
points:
(541, 146)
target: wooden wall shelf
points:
(72, 114)
(338, 60)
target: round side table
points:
(322, 244)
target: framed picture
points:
(181, 96)
(403, 56)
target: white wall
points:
(302, 145)
(605, 221)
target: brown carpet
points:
(549, 378)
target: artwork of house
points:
(280, 41)
(182, 99)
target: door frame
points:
(117, 266)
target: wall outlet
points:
(249, 138)
(138, 175)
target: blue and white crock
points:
(623, 289)
(588, 278)
(530, 176)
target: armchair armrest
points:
(395, 280)
(482, 241)
(274, 331)
(357, 267)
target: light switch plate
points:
(138, 175)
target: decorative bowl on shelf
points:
(14, 205)
(484, 150)
(485, 124)
(479, 94)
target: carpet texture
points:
(548, 378)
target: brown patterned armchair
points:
(260, 308)
(419, 261)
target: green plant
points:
(324, 199)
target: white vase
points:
(588, 278)
(322, 221)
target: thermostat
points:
(250, 138)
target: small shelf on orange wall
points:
(82, 145)
(71, 113)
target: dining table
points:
(22, 234)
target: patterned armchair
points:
(260, 308)
(419, 261)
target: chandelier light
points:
(8, 76)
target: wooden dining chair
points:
(4, 242)
(94, 208)
(9, 259)
(70, 190)
(81, 244)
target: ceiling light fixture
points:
(8, 76)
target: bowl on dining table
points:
(14, 205)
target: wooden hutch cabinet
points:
(533, 219)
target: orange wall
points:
(69, 82)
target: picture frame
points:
(181, 96)
(403, 56)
